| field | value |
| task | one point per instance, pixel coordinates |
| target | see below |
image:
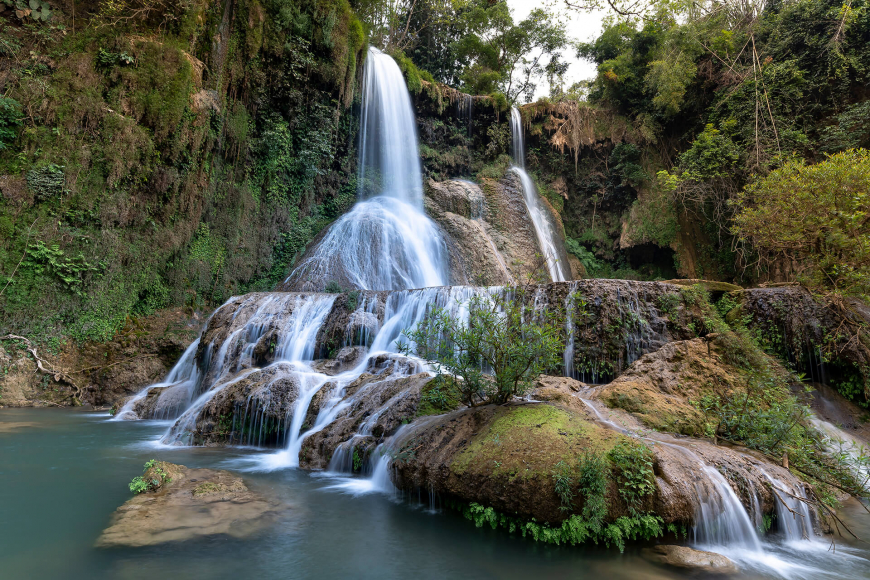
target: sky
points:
(581, 26)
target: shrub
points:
(47, 182)
(816, 215)
(505, 336)
(632, 465)
(10, 120)
(153, 477)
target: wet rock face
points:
(615, 322)
(698, 560)
(193, 503)
(491, 237)
(253, 410)
(498, 456)
(800, 326)
(377, 406)
(477, 249)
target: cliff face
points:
(169, 156)
(165, 159)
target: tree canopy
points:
(818, 216)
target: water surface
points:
(62, 477)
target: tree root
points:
(45, 367)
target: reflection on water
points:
(62, 476)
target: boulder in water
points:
(684, 557)
(193, 503)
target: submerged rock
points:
(11, 426)
(683, 557)
(194, 503)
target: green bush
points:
(815, 215)
(149, 481)
(10, 120)
(632, 465)
(505, 335)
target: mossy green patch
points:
(528, 440)
(438, 396)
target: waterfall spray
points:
(385, 242)
(544, 230)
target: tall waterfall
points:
(388, 152)
(544, 230)
(385, 242)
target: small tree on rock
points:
(493, 354)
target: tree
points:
(494, 355)
(500, 55)
(816, 215)
(400, 24)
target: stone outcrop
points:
(807, 329)
(254, 409)
(378, 405)
(658, 388)
(505, 457)
(684, 557)
(492, 238)
(102, 373)
(193, 503)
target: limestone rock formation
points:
(492, 238)
(684, 557)
(193, 503)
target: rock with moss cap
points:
(184, 503)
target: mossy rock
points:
(526, 441)
(708, 285)
(439, 396)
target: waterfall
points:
(721, 519)
(294, 348)
(853, 452)
(388, 151)
(793, 516)
(178, 388)
(544, 230)
(385, 242)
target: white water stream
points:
(385, 242)
(544, 229)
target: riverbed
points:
(64, 472)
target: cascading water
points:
(294, 347)
(557, 266)
(724, 525)
(176, 391)
(385, 242)
(854, 451)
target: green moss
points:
(207, 488)
(438, 396)
(413, 75)
(527, 440)
(185, 200)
